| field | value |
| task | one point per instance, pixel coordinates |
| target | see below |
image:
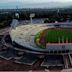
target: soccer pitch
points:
(53, 36)
(58, 35)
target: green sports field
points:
(58, 35)
(53, 36)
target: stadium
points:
(46, 45)
(36, 36)
(42, 37)
(37, 45)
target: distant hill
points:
(35, 5)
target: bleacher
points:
(53, 60)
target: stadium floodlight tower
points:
(31, 16)
(17, 15)
(17, 12)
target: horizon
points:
(31, 4)
(35, 1)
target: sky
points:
(34, 1)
